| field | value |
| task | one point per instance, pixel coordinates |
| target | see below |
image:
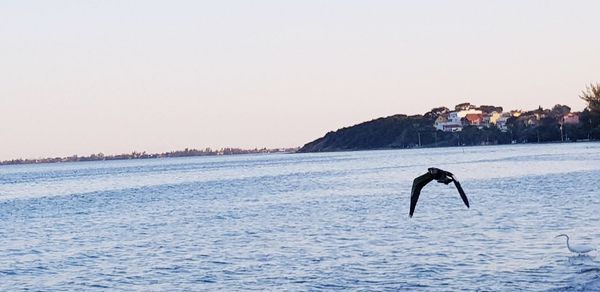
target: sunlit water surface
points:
(305, 222)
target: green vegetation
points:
(534, 126)
(399, 131)
(592, 96)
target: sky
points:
(82, 77)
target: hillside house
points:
(454, 121)
(570, 119)
(501, 123)
(489, 119)
(473, 119)
(448, 123)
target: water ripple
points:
(327, 221)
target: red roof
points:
(472, 118)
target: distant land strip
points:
(143, 155)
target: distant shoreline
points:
(143, 155)
(232, 151)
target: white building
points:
(453, 123)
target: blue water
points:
(322, 221)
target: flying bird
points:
(578, 248)
(440, 176)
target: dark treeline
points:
(143, 155)
(402, 131)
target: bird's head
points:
(561, 235)
(434, 170)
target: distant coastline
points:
(143, 155)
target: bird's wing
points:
(460, 190)
(418, 184)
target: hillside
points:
(398, 131)
(465, 125)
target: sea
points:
(298, 222)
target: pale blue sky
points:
(80, 77)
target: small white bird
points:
(579, 248)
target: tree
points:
(463, 106)
(591, 95)
(471, 135)
(559, 111)
(434, 113)
(490, 108)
